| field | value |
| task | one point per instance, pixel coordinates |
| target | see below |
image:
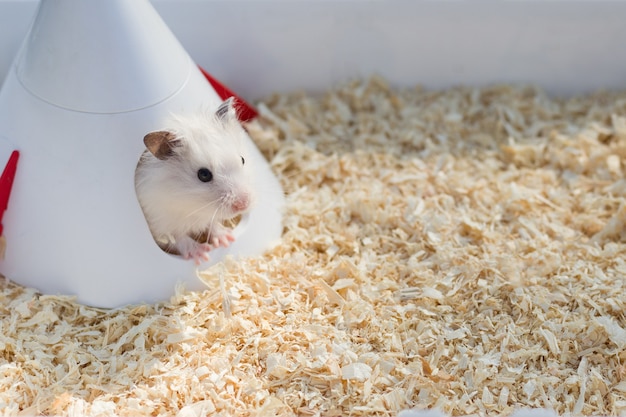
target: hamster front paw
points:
(220, 236)
(188, 248)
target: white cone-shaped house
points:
(91, 79)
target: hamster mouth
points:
(232, 222)
(203, 237)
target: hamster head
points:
(198, 169)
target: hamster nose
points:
(241, 203)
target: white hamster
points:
(193, 176)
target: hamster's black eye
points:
(205, 175)
(243, 161)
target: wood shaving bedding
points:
(461, 249)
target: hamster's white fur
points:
(178, 206)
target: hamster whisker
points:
(212, 222)
(217, 214)
(210, 203)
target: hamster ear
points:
(226, 110)
(160, 144)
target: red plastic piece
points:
(245, 111)
(6, 183)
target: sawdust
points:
(461, 249)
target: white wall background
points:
(257, 47)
